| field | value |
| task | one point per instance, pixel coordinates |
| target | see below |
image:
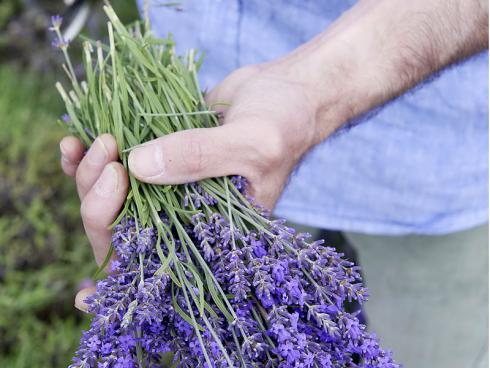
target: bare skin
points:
(281, 109)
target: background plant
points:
(24, 29)
(40, 233)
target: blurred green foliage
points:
(44, 254)
(7, 9)
(43, 251)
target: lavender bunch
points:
(203, 278)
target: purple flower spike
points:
(59, 43)
(66, 118)
(56, 21)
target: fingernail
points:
(98, 153)
(81, 299)
(82, 308)
(146, 161)
(63, 149)
(107, 182)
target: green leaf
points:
(197, 279)
(104, 263)
(184, 315)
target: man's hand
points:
(102, 185)
(278, 110)
(266, 129)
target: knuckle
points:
(66, 166)
(89, 215)
(81, 180)
(235, 79)
(271, 150)
(245, 72)
(109, 143)
(192, 153)
(86, 213)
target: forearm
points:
(380, 49)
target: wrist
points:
(333, 70)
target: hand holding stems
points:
(275, 112)
(102, 185)
(265, 131)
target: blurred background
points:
(44, 255)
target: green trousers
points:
(428, 296)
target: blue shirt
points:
(419, 166)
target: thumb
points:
(192, 155)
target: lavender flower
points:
(56, 21)
(287, 296)
(60, 43)
(66, 118)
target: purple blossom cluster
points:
(285, 297)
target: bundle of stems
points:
(203, 278)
